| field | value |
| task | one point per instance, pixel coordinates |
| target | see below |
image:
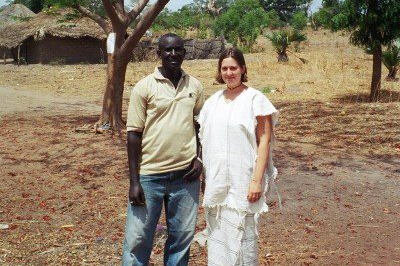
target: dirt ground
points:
(63, 188)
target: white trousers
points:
(232, 237)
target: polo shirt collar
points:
(158, 75)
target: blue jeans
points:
(181, 199)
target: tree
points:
(213, 8)
(241, 24)
(285, 8)
(115, 25)
(282, 40)
(183, 19)
(220, 6)
(391, 59)
(372, 24)
(35, 5)
(323, 17)
(299, 20)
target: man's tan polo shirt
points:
(165, 116)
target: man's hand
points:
(136, 195)
(196, 168)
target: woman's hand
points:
(254, 191)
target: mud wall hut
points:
(59, 36)
(12, 14)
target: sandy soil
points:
(63, 192)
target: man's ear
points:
(159, 52)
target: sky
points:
(176, 4)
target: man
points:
(163, 157)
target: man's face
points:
(172, 52)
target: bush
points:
(299, 20)
(184, 19)
(242, 23)
(273, 21)
(282, 40)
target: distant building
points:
(12, 14)
(55, 35)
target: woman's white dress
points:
(227, 134)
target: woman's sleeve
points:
(201, 119)
(262, 107)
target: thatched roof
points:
(15, 13)
(55, 22)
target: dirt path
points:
(15, 100)
(63, 195)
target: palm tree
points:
(391, 59)
(281, 40)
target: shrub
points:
(299, 20)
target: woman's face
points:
(231, 72)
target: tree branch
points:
(132, 15)
(104, 24)
(119, 6)
(144, 23)
(112, 14)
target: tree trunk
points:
(392, 74)
(376, 74)
(282, 57)
(119, 20)
(111, 115)
(212, 7)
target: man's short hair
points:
(168, 35)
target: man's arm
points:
(196, 166)
(134, 145)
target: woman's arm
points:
(263, 134)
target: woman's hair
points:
(236, 54)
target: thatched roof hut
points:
(56, 34)
(15, 13)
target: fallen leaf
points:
(46, 218)
(67, 226)
(4, 226)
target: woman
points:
(236, 135)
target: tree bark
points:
(376, 74)
(212, 7)
(282, 54)
(111, 115)
(392, 74)
(283, 57)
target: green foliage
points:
(285, 8)
(371, 23)
(268, 89)
(324, 16)
(273, 21)
(299, 20)
(242, 23)
(38, 5)
(283, 39)
(185, 18)
(391, 58)
(35, 5)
